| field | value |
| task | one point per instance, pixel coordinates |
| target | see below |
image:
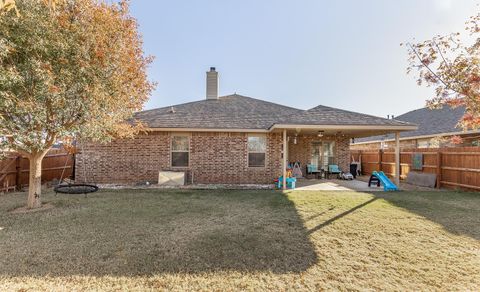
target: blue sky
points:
(300, 53)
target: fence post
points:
(18, 172)
(380, 154)
(439, 168)
(74, 166)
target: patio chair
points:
(333, 169)
(313, 169)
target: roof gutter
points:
(207, 130)
(346, 127)
(291, 126)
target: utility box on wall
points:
(171, 178)
(417, 161)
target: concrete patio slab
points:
(335, 185)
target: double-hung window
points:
(257, 147)
(180, 150)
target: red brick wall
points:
(124, 160)
(214, 158)
(343, 153)
(302, 150)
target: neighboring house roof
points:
(431, 122)
(242, 112)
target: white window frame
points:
(324, 159)
(265, 152)
(177, 151)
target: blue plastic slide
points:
(388, 185)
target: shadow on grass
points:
(340, 216)
(133, 233)
(457, 212)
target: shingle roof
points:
(230, 112)
(324, 115)
(430, 122)
(241, 112)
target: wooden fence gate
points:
(14, 170)
(455, 167)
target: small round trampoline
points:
(76, 189)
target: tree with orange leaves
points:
(452, 67)
(71, 68)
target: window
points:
(423, 144)
(383, 145)
(180, 151)
(323, 154)
(257, 147)
(328, 153)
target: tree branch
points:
(432, 72)
(441, 54)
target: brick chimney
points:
(212, 84)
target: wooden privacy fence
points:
(455, 167)
(14, 170)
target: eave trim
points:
(420, 137)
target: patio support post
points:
(284, 164)
(397, 159)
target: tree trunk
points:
(35, 181)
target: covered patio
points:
(323, 145)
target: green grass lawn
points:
(252, 240)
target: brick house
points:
(229, 139)
(435, 128)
